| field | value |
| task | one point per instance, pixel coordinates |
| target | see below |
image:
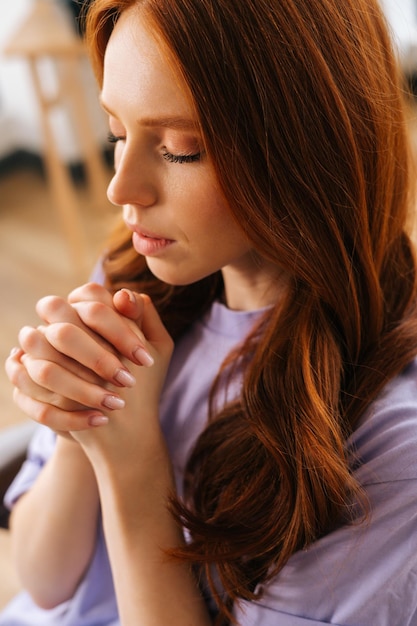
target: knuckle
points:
(101, 364)
(43, 414)
(91, 312)
(43, 374)
(28, 338)
(15, 376)
(49, 304)
(87, 291)
(61, 334)
(96, 309)
(9, 367)
(95, 289)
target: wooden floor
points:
(35, 261)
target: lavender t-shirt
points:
(363, 575)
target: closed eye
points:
(168, 156)
(181, 158)
(111, 138)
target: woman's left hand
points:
(70, 369)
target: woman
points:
(240, 393)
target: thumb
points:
(140, 309)
(129, 304)
(153, 328)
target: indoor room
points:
(55, 165)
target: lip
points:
(146, 242)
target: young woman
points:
(229, 411)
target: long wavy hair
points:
(301, 108)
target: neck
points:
(245, 291)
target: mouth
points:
(148, 243)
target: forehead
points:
(137, 67)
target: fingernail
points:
(130, 295)
(113, 402)
(124, 378)
(142, 356)
(14, 351)
(98, 420)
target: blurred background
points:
(55, 166)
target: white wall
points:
(402, 16)
(19, 114)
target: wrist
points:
(68, 450)
(139, 468)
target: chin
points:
(171, 276)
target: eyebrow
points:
(172, 121)
(175, 122)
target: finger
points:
(116, 329)
(55, 309)
(123, 340)
(153, 327)
(133, 305)
(91, 292)
(95, 317)
(62, 383)
(73, 342)
(129, 304)
(55, 418)
(34, 342)
(20, 378)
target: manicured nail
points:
(124, 378)
(113, 402)
(142, 356)
(98, 420)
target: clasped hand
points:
(97, 360)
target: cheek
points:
(218, 233)
(220, 219)
(214, 209)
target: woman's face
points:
(164, 181)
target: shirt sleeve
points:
(97, 275)
(250, 614)
(40, 449)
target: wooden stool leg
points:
(97, 173)
(62, 189)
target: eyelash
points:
(113, 138)
(182, 158)
(168, 156)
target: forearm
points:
(54, 526)
(152, 588)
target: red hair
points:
(301, 108)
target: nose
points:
(133, 182)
